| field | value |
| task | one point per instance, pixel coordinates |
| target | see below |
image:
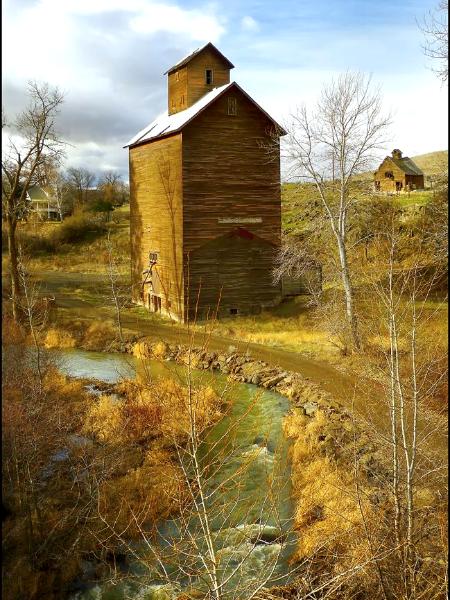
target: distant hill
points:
(433, 163)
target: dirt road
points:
(84, 296)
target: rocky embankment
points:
(340, 437)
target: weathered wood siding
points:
(229, 172)
(231, 274)
(417, 181)
(156, 219)
(177, 96)
(197, 86)
(230, 179)
(388, 185)
(187, 84)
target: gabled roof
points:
(167, 124)
(35, 192)
(407, 165)
(184, 61)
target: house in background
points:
(43, 205)
(205, 197)
(397, 173)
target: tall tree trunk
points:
(348, 290)
(14, 266)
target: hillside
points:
(433, 163)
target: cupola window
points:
(209, 76)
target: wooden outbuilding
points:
(398, 173)
(205, 199)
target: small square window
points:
(232, 106)
(234, 311)
(209, 76)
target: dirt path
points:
(83, 296)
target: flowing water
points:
(247, 493)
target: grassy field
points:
(433, 163)
(88, 255)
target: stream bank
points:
(336, 437)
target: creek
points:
(249, 496)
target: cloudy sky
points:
(109, 56)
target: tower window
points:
(232, 106)
(177, 76)
(209, 76)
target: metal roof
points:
(407, 165)
(196, 52)
(167, 124)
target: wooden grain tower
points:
(205, 197)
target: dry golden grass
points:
(144, 495)
(98, 335)
(165, 407)
(329, 514)
(104, 420)
(58, 338)
(291, 326)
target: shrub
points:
(99, 336)
(104, 420)
(33, 243)
(58, 338)
(148, 493)
(78, 228)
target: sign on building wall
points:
(239, 220)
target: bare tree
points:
(81, 180)
(119, 296)
(111, 186)
(35, 142)
(61, 190)
(435, 30)
(412, 373)
(329, 147)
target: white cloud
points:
(418, 105)
(198, 24)
(50, 33)
(249, 24)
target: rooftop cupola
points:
(397, 154)
(196, 75)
